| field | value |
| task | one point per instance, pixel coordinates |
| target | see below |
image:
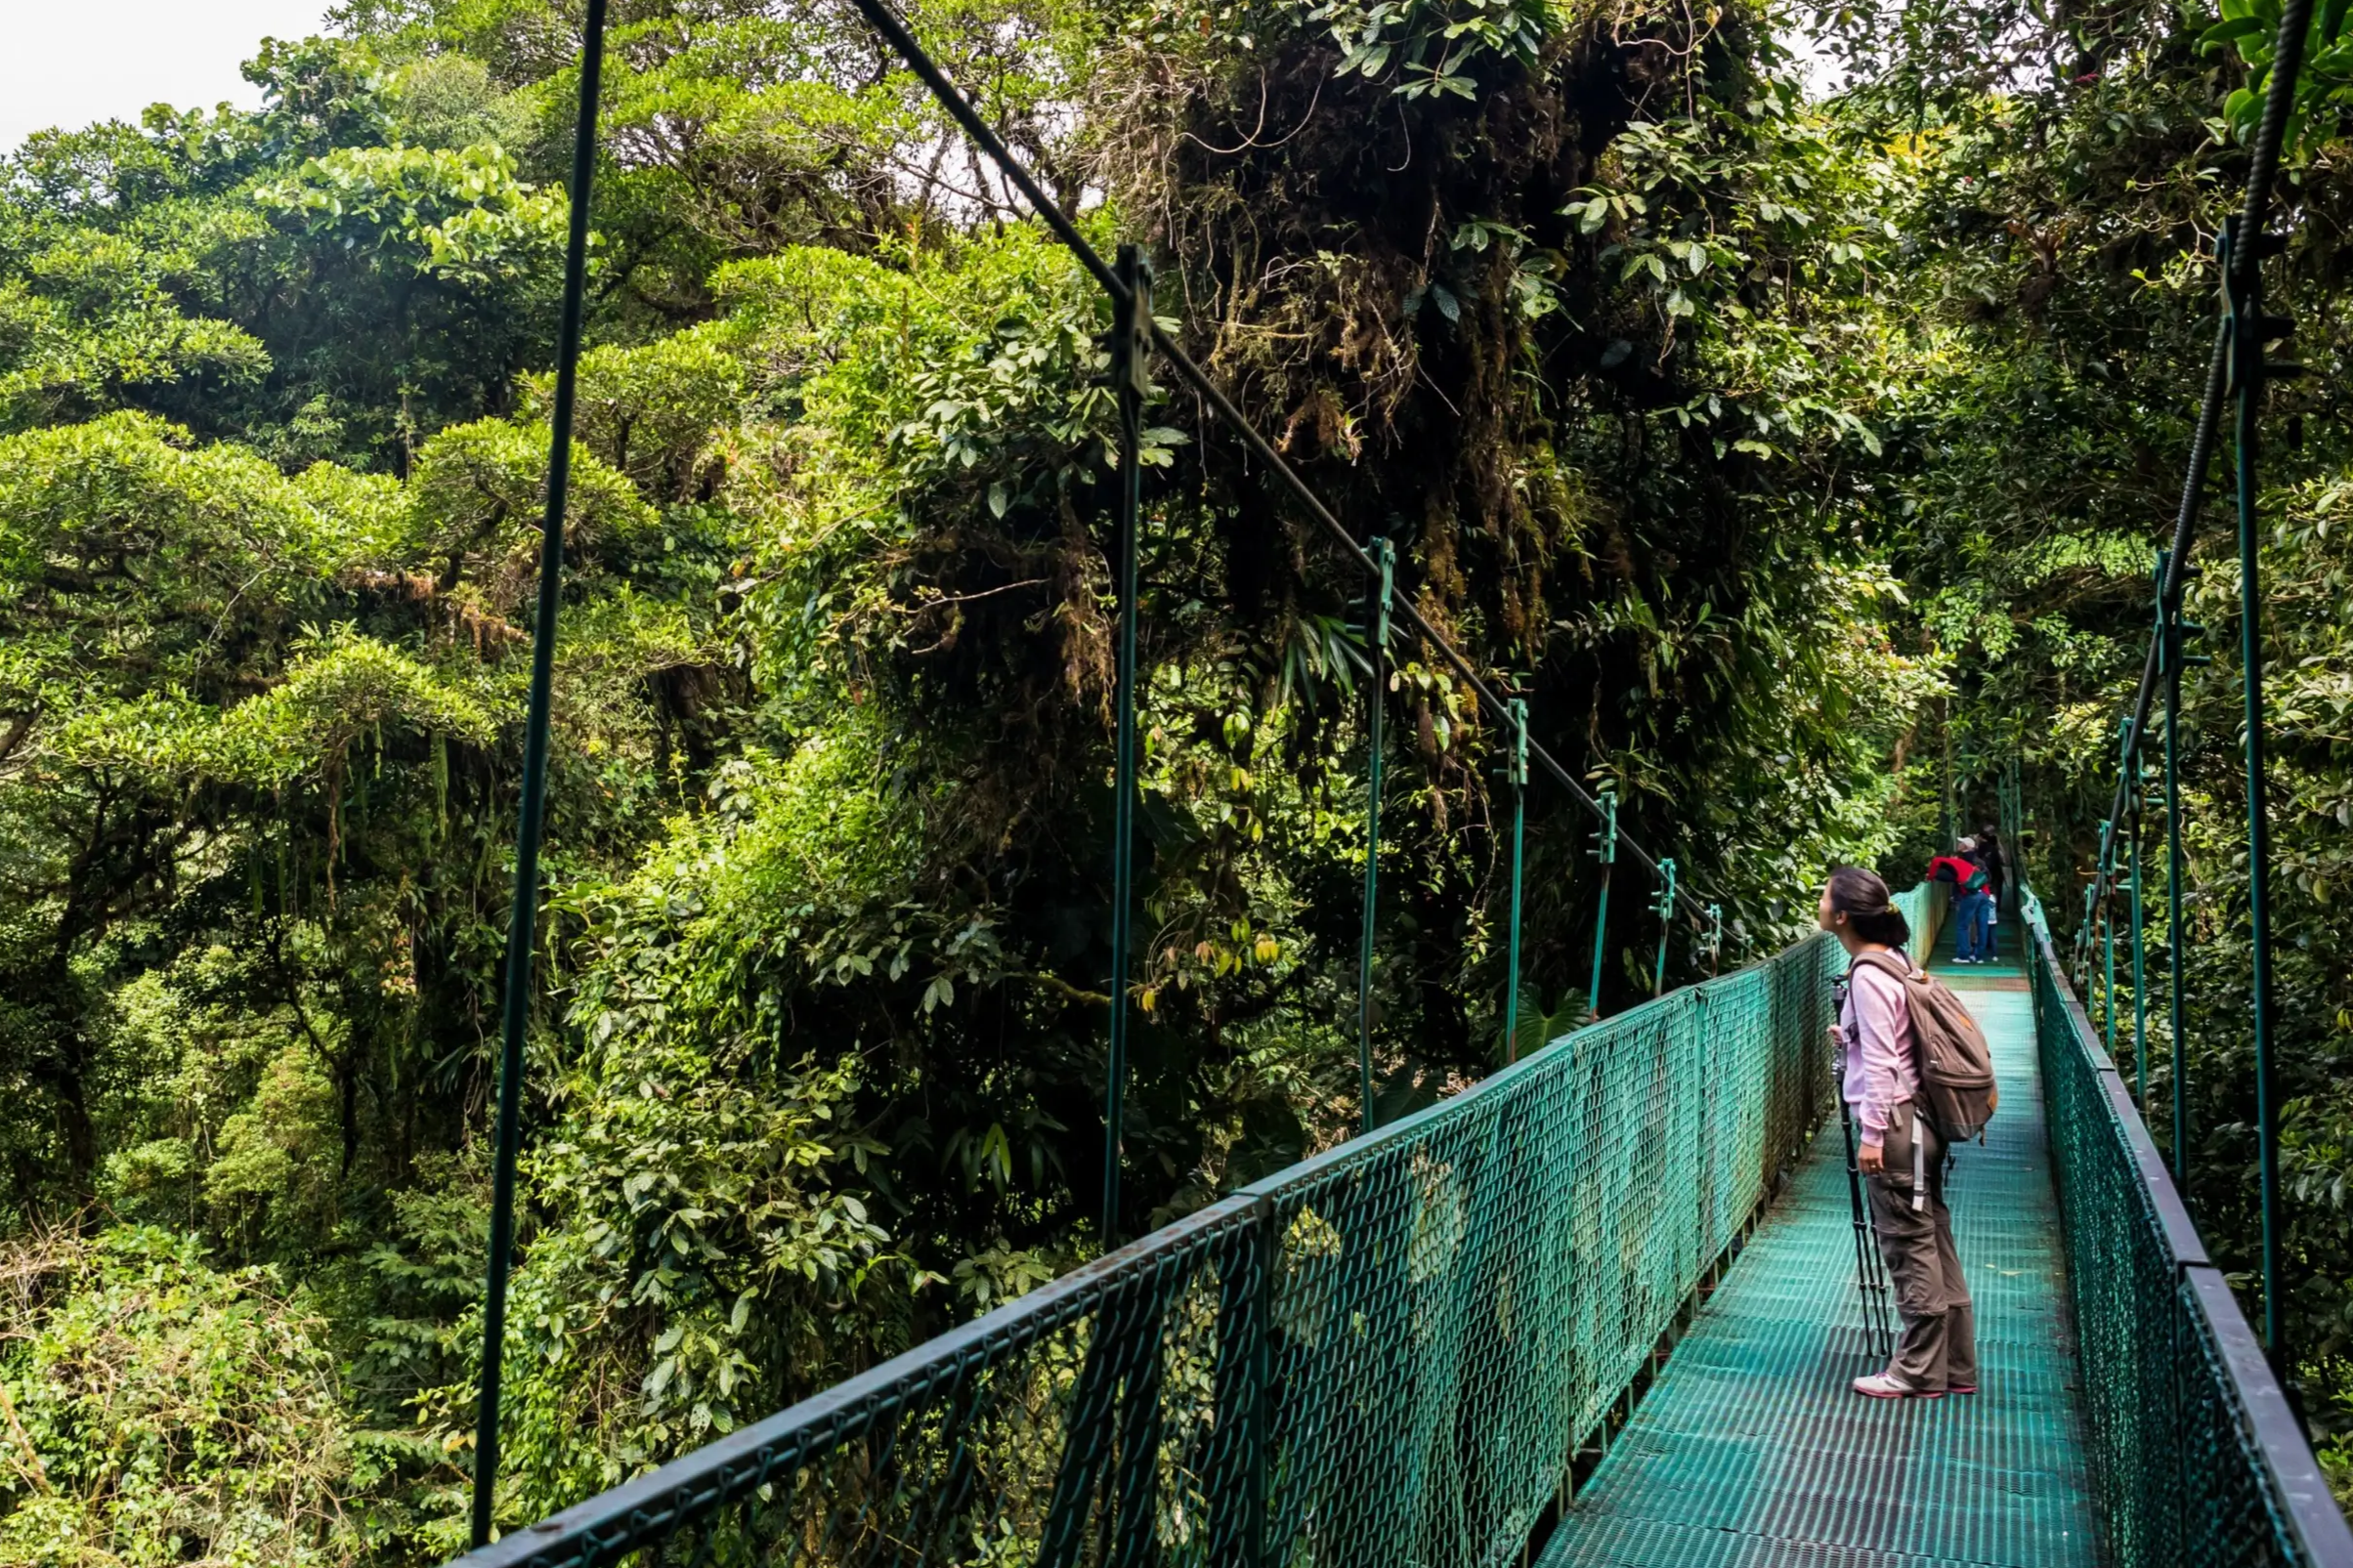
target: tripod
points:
(1870, 1272)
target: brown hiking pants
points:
(1938, 1348)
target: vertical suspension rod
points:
(2243, 284)
(1130, 369)
(1605, 839)
(1520, 822)
(2108, 988)
(2140, 968)
(2173, 634)
(523, 926)
(1376, 696)
(1666, 908)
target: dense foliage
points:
(1793, 459)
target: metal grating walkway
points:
(1751, 1451)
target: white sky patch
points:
(71, 63)
(1821, 72)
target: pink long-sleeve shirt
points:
(1875, 1026)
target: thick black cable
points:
(959, 108)
(523, 928)
(1491, 699)
(1691, 901)
(2263, 163)
(2238, 371)
(2175, 579)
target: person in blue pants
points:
(1977, 926)
(1972, 905)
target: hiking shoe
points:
(1887, 1386)
(1960, 1388)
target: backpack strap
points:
(1892, 963)
(1900, 966)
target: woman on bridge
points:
(1901, 1154)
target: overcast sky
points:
(71, 61)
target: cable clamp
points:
(1605, 837)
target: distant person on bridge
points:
(1972, 905)
(1995, 860)
(1900, 1153)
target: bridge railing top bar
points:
(2313, 1517)
(2176, 1384)
(1692, 899)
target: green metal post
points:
(1520, 821)
(1130, 375)
(1604, 840)
(522, 928)
(1666, 922)
(2250, 330)
(1376, 704)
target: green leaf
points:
(2222, 32)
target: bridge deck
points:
(1751, 1450)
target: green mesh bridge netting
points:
(2197, 1458)
(1395, 1352)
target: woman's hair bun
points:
(1870, 908)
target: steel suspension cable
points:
(1491, 699)
(1690, 899)
(522, 928)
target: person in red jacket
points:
(1972, 905)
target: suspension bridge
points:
(1601, 1307)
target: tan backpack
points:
(1957, 1069)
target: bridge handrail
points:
(1398, 1344)
(2197, 1455)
